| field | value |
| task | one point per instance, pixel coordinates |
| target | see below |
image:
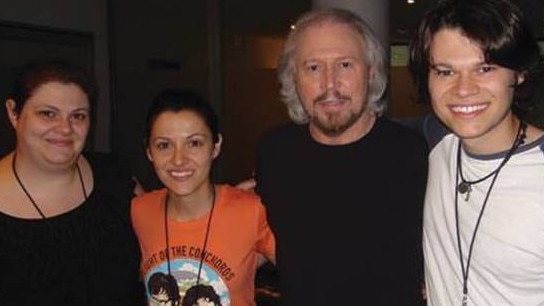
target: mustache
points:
(331, 95)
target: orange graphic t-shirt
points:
(238, 233)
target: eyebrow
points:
(437, 66)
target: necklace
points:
(28, 194)
(465, 187)
(204, 245)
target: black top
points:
(87, 256)
(347, 218)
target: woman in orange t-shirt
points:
(192, 233)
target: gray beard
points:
(334, 126)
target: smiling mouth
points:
(60, 143)
(469, 109)
(180, 174)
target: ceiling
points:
(272, 18)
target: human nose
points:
(465, 85)
(179, 155)
(330, 78)
(65, 125)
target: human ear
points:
(148, 154)
(10, 111)
(520, 78)
(217, 146)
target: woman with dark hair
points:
(64, 216)
(192, 229)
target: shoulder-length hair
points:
(374, 56)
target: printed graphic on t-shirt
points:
(180, 287)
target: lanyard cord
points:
(20, 182)
(471, 246)
(465, 186)
(83, 265)
(206, 236)
(520, 139)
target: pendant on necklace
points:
(464, 187)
